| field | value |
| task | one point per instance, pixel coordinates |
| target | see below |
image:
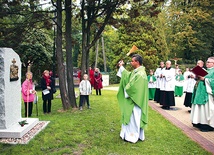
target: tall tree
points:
(25, 27)
(160, 35)
(69, 62)
(191, 24)
(135, 27)
(95, 16)
(60, 60)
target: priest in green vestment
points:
(202, 113)
(133, 100)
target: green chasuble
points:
(135, 84)
(200, 95)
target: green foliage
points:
(188, 27)
(136, 28)
(25, 28)
(96, 131)
(130, 25)
(38, 56)
(113, 78)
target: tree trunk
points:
(89, 15)
(69, 62)
(59, 54)
(97, 49)
(84, 57)
(104, 55)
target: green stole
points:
(136, 85)
(210, 77)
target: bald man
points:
(167, 94)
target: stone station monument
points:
(10, 96)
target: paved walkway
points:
(181, 118)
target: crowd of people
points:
(29, 94)
(198, 89)
(136, 88)
(93, 80)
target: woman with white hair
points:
(98, 81)
(28, 94)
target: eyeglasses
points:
(209, 62)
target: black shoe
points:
(196, 125)
(165, 107)
(204, 130)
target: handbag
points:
(54, 90)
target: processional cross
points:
(176, 59)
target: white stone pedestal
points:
(16, 131)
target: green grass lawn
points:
(96, 131)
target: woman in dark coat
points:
(98, 81)
(47, 91)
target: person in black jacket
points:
(47, 91)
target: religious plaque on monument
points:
(14, 71)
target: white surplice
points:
(204, 114)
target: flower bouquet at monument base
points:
(22, 123)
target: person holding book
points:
(200, 63)
(191, 82)
(202, 113)
(47, 86)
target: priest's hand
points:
(120, 63)
(201, 78)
